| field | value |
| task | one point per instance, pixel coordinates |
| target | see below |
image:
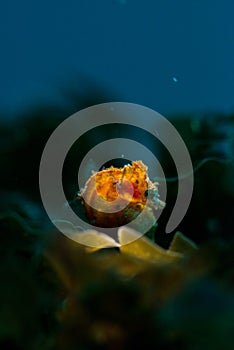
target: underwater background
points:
(57, 58)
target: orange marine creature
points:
(114, 197)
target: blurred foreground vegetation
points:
(54, 295)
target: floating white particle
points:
(122, 155)
(175, 79)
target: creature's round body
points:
(114, 197)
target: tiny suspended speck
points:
(175, 79)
